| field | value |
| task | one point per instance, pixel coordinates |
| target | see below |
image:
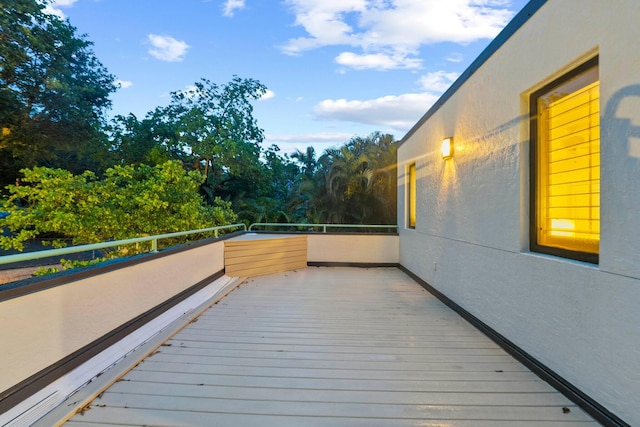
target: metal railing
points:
(27, 256)
(323, 226)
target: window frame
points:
(534, 246)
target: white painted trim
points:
(38, 405)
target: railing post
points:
(154, 246)
(215, 233)
(324, 228)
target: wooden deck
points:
(331, 347)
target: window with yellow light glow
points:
(411, 195)
(565, 140)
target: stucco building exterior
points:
(533, 225)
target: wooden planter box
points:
(257, 255)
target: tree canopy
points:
(54, 92)
(189, 164)
(129, 201)
(352, 184)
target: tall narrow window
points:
(565, 140)
(411, 195)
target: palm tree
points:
(307, 160)
(357, 182)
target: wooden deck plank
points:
(266, 258)
(194, 355)
(293, 324)
(380, 372)
(146, 417)
(331, 347)
(251, 249)
(363, 350)
(192, 348)
(385, 384)
(355, 396)
(422, 411)
(412, 342)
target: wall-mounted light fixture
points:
(447, 148)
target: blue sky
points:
(334, 68)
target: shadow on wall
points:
(619, 129)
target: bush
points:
(130, 201)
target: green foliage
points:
(216, 123)
(66, 264)
(43, 271)
(54, 93)
(130, 201)
(209, 128)
(353, 184)
(135, 142)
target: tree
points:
(216, 122)
(130, 201)
(152, 140)
(54, 92)
(269, 202)
(211, 129)
(355, 183)
(307, 161)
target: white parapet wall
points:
(42, 328)
(471, 237)
(353, 248)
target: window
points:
(565, 165)
(411, 195)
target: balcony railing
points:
(264, 226)
(27, 256)
(324, 227)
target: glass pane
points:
(412, 195)
(568, 184)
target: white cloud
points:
(324, 21)
(455, 57)
(124, 84)
(438, 81)
(166, 48)
(397, 26)
(378, 61)
(54, 7)
(267, 95)
(290, 143)
(230, 6)
(399, 112)
(311, 138)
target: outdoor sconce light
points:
(447, 148)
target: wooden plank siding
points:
(331, 347)
(260, 256)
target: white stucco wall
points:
(354, 248)
(43, 327)
(471, 238)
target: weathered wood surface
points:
(331, 347)
(260, 256)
